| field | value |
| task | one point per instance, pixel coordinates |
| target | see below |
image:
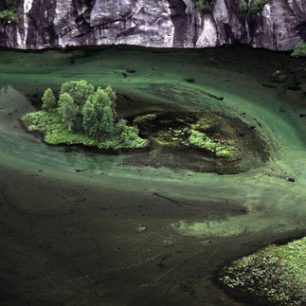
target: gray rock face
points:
(153, 23)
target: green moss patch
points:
(275, 275)
(246, 7)
(187, 130)
(8, 11)
(205, 6)
(198, 141)
(202, 141)
(299, 50)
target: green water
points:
(93, 230)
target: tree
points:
(91, 112)
(78, 90)
(112, 94)
(99, 115)
(67, 110)
(107, 123)
(48, 100)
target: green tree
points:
(99, 115)
(78, 90)
(67, 110)
(107, 123)
(112, 94)
(48, 100)
(91, 113)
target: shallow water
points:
(79, 228)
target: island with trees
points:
(83, 115)
(205, 141)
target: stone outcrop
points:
(153, 23)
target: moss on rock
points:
(275, 275)
(202, 141)
(205, 6)
(246, 7)
(8, 11)
(299, 50)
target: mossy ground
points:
(275, 275)
(198, 131)
(199, 141)
(55, 132)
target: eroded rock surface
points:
(160, 23)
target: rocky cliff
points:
(153, 23)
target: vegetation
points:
(247, 7)
(205, 5)
(48, 100)
(84, 116)
(8, 11)
(275, 274)
(299, 50)
(202, 141)
(177, 131)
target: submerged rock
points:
(277, 25)
(273, 276)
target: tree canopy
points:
(86, 115)
(48, 100)
(79, 91)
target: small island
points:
(83, 115)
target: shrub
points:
(130, 137)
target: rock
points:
(163, 24)
(290, 179)
(141, 228)
(268, 85)
(130, 70)
(293, 87)
(190, 80)
(279, 76)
